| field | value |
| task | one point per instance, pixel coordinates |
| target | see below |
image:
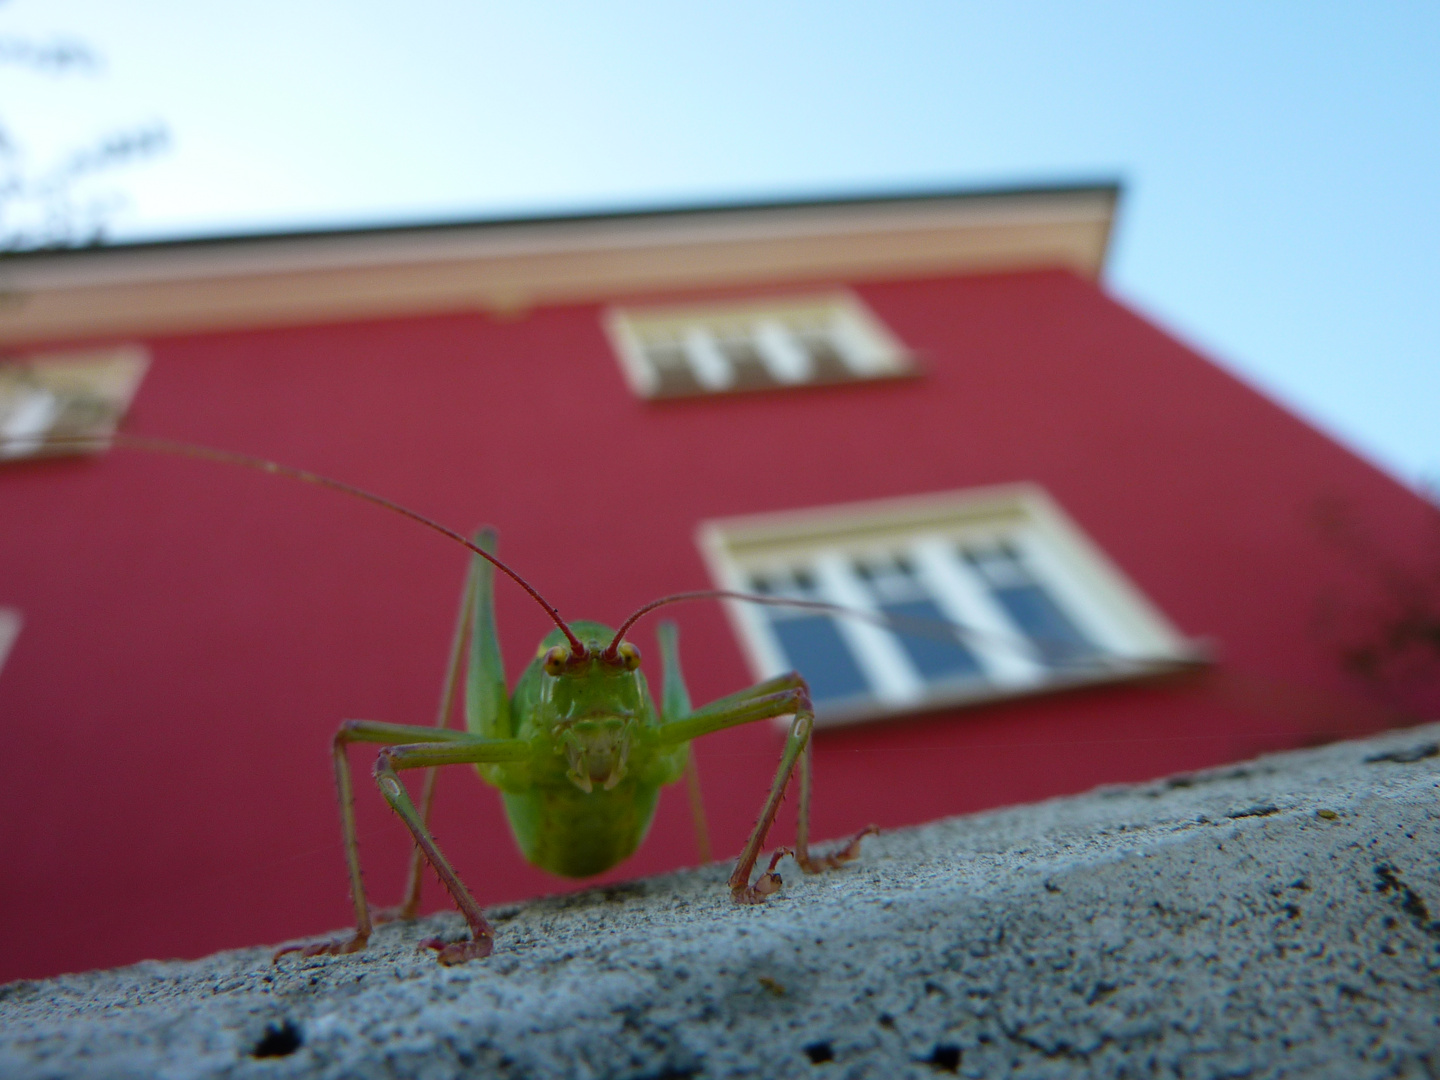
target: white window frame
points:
(1134, 638)
(864, 345)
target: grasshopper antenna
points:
(612, 650)
(227, 457)
(923, 627)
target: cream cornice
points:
(510, 266)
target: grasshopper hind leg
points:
(809, 862)
(675, 705)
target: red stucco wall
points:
(194, 633)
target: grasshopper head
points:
(593, 702)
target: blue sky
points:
(1280, 161)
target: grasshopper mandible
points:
(579, 750)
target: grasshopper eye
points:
(555, 658)
(629, 655)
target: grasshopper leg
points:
(482, 934)
(675, 705)
(423, 747)
(486, 700)
(742, 891)
(697, 809)
(810, 862)
(409, 906)
(785, 695)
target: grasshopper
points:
(579, 750)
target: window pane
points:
(709, 364)
(1049, 629)
(675, 379)
(819, 653)
(750, 370)
(1030, 606)
(829, 365)
(811, 643)
(937, 657)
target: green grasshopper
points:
(579, 751)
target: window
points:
(9, 631)
(65, 396)
(971, 596)
(687, 351)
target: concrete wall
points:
(1272, 919)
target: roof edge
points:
(917, 197)
(510, 264)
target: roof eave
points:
(515, 263)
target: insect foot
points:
(459, 952)
(767, 883)
(815, 864)
(324, 948)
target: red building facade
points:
(191, 635)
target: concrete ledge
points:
(1271, 919)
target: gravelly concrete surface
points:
(1266, 920)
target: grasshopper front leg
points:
(409, 747)
(409, 906)
(782, 696)
(485, 697)
(472, 751)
